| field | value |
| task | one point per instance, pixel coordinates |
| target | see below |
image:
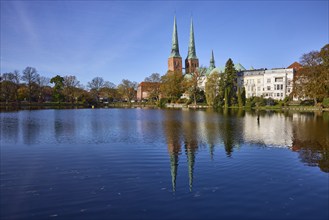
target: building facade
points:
(274, 83)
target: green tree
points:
(30, 76)
(58, 88)
(171, 85)
(9, 84)
(240, 102)
(226, 97)
(212, 88)
(227, 84)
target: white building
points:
(274, 83)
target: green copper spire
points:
(173, 169)
(174, 46)
(190, 161)
(212, 60)
(191, 47)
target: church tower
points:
(191, 62)
(175, 60)
(212, 61)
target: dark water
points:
(164, 164)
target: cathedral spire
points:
(173, 169)
(212, 60)
(191, 46)
(174, 46)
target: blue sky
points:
(132, 39)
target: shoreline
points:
(65, 105)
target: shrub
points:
(325, 103)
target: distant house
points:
(296, 66)
(145, 90)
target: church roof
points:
(174, 44)
(221, 69)
(191, 47)
(239, 67)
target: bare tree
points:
(71, 85)
(30, 76)
(42, 82)
(127, 89)
(153, 86)
(154, 77)
(95, 85)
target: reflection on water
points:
(228, 165)
(305, 133)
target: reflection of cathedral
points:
(178, 133)
(186, 131)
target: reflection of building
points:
(304, 133)
(178, 132)
(273, 130)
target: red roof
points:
(295, 66)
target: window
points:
(278, 94)
(289, 90)
(269, 88)
(258, 80)
(258, 88)
(281, 86)
(281, 94)
(268, 80)
(279, 79)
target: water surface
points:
(162, 164)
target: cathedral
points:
(175, 60)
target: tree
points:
(58, 88)
(312, 81)
(43, 87)
(240, 102)
(227, 84)
(154, 77)
(212, 88)
(8, 87)
(153, 86)
(191, 83)
(70, 85)
(127, 89)
(30, 76)
(171, 85)
(95, 85)
(109, 91)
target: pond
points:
(164, 164)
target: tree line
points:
(220, 90)
(31, 87)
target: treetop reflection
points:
(306, 134)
